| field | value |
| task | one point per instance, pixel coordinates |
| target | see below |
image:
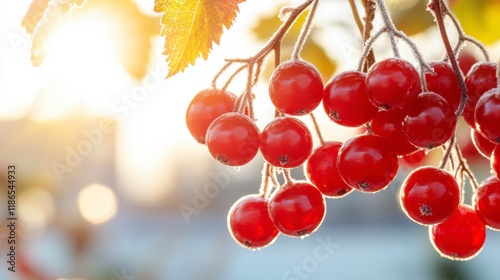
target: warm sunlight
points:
(82, 61)
(97, 203)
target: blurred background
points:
(111, 186)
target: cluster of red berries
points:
(401, 120)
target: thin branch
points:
(368, 47)
(317, 128)
(462, 37)
(389, 26)
(437, 6)
(370, 7)
(287, 175)
(304, 32)
(356, 16)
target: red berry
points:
(487, 115)
(321, 170)
(296, 87)
(481, 78)
(345, 99)
(392, 83)
(367, 163)
(233, 139)
(487, 202)
(297, 208)
(249, 222)
(465, 61)
(414, 160)
(461, 237)
(286, 142)
(429, 195)
(484, 146)
(388, 124)
(429, 121)
(205, 107)
(495, 161)
(444, 83)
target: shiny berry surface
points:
(429, 195)
(388, 124)
(429, 121)
(296, 87)
(495, 161)
(345, 99)
(297, 208)
(483, 146)
(414, 160)
(249, 222)
(233, 139)
(322, 171)
(444, 82)
(466, 60)
(487, 115)
(481, 78)
(461, 237)
(487, 202)
(286, 142)
(205, 107)
(392, 83)
(367, 163)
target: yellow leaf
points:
(191, 27)
(479, 18)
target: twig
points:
(304, 32)
(317, 128)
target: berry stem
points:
(447, 152)
(365, 29)
(264, 185)
(438, 6)
(368, 47)
(462, 164)
(317, 128)
(393, 32)
(267, 175)
(462, 37)
(389, 25)
(304, 32)
(273, 44)
(287, 175)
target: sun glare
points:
(82, 62)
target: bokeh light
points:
(97, 203)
